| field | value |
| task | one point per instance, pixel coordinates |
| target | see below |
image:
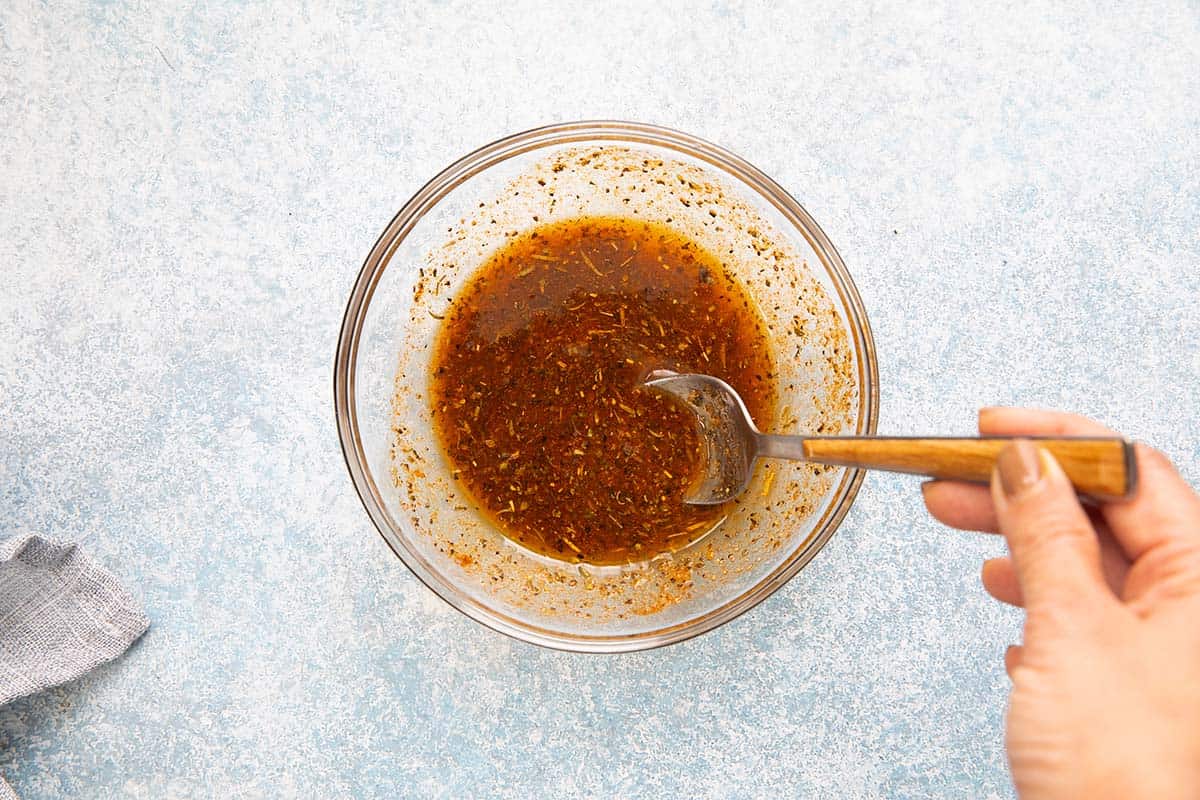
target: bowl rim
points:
(500, 150)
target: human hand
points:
(1106, 687)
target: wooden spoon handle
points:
(1099, 467)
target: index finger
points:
(1163, 511)
(1002, 421)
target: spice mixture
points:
(535, 388)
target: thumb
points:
(1054, 547)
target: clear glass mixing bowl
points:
(821, 344)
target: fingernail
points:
(1019, 467)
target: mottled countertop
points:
(187, 196)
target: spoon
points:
(1099, 467)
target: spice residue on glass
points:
(536, 397)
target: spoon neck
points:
(772, 445)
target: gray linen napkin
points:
(61, 614)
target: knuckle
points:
(1075, 616)
(1172, 501)
(1172, 570)
(1052, 528)
(1067, 424)
(1153, 460)
(1058, 616)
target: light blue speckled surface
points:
(187, 195)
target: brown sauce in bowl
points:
(535, 388)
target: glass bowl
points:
(821, 345)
